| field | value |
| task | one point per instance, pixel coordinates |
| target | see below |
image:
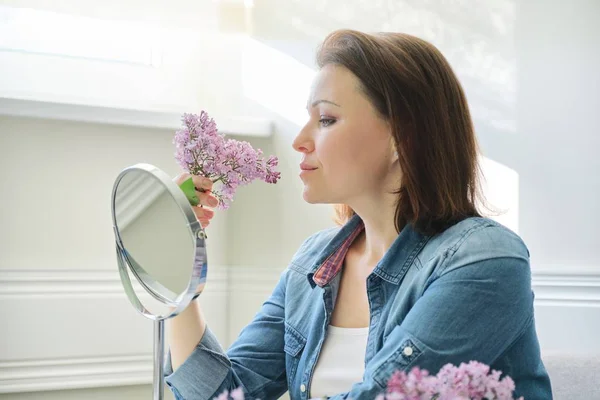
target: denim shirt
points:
(463, 294)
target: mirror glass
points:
(155, 233)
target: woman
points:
(414, 276)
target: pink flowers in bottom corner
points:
(472, 381)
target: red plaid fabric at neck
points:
(333, 264)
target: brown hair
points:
(411, 85)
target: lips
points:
(307, 167)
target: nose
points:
(303, 142)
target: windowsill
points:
(59, 110)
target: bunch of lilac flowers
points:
(201, 150)
(472, 381)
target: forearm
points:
(198, 368)
(185, 332)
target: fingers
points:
(179, 179)
(203, 188)
(203, 191)
(207, 199)
(202, 183)
(204, 215)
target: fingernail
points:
(213, 202)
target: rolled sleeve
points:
(202, 374)
(255, 361)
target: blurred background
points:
(88, 88)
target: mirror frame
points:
(199, 270)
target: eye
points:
(325, 122)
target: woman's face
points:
(346, 146)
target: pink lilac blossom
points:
(201, 149)
(472, 381)
(416, 385)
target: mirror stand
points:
(155, 225)
(159, 359)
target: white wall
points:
(530, 72)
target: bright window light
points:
(51, 33)
(501, 189)
(276, 81)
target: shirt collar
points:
(333, 264)
(391, 267)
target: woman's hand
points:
(203, 191)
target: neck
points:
(380, 229)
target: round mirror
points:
(160, 244)
(161, 250)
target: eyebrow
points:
(316, 102)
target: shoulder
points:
(475, 240)
(484, 233)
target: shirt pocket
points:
(399, 360)
(294, 343)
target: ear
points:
(393, 150)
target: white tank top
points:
(341, 362)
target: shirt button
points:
(303, 388)
(408, 351)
